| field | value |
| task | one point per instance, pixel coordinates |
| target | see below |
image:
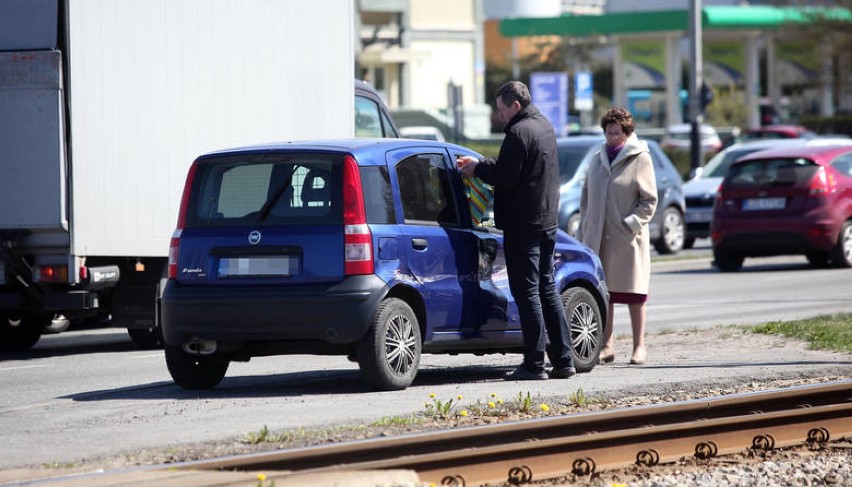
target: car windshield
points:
(719, 164)
(570, 158)
(782, 172)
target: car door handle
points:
(419, 243)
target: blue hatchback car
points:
(364, 247)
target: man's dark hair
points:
(514, 91)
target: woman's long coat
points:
(617, 202)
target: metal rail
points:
(519, 452)
(582, 444)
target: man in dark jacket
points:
(525, 177)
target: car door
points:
(441, 250)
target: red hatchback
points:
(795, 200)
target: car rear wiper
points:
(267, 206)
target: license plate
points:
(258, 266)
(699, 216)
(757, 204)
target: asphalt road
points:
(83, 394)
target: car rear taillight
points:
(823, 182)
(174, 243)
(357, 239)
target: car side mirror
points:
(695, 173)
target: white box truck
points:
(103, 106)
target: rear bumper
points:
(337, 314)
(775, 237)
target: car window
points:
(368, 118)
(719, 164)
(378, 195)
(781, 172)
(570, 158)
(843, 164)
(424, 188)
(266, 190)
(387, 127)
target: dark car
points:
(364, 248)
(667, 228)
(371, 115)
(795, 200)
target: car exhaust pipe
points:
(200, 346)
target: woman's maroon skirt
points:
(627, 298)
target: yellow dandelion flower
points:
(499, 401)
(545, 407)
(463, 413)
(432, 395)
(493, 394)
(459, 397)
(492, 405)
(261, 477)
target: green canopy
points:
(720, 17)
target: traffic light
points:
(706, 96)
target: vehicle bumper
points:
(781, 237)
(337, 314)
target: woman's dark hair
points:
(620, 116)
(514, 91)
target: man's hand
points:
(467, 165)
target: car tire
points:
(841, 255)
(195, 372)
(585, 327)
(818, 259)
(572, 226)
(18, 334)
(688, 242)
(727, 262)
(389, 354)
(672, 235)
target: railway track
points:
(582, 444)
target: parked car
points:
(372, 118)
(678, 137)
(667, 228)
(795, 200)
(361, 248)
(700, 191)
(771, 132)
(424, 132)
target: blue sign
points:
(549, 93)
(583, 99)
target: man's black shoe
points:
(522, 373)
(562, 372)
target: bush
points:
(838, 124)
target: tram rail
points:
(580, 444)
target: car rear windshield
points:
(268, 189)
(781, 172)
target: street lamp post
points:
(695, 79)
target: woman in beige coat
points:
(618, 200)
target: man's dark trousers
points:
(529, 263)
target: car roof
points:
(781, 128)
(580, 140)
(361, 148)
(805, 151)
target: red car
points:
(795, 200)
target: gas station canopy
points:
(717, 17)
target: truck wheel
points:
(21, 333)
(585, 326)
(389, 354)
(146, 338)
(195, 372)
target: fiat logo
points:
(254, 237)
